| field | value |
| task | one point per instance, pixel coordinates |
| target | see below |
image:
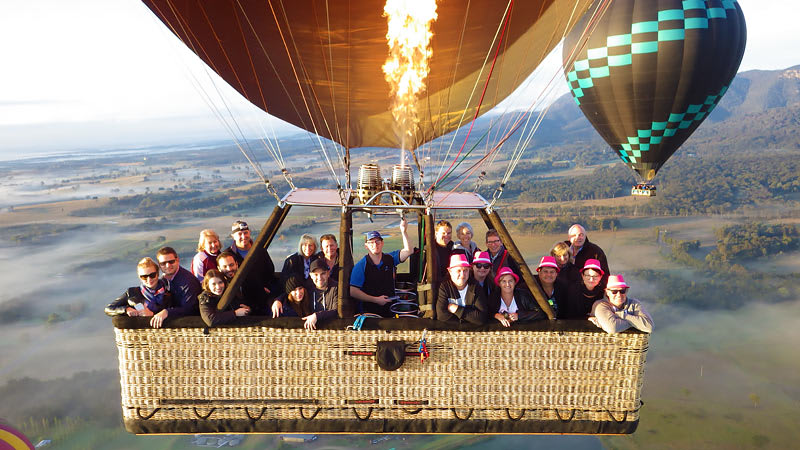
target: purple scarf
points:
(154, 298)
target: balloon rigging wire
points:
(303, 95)
(528, 136)
(474, 88)
(309, 84)
(443, 123)
(483, 93)
(207, 99)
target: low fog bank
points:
(720, 379)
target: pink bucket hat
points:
(548, 261)
(505, 271)
(593, 264)
(482, 257)
(458, 260)
(616, 282)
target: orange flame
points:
(406, 68)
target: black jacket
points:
(475, 309)
(294, 265)
(130, 298)
(209, 312)
(263, 273)
(528, 309)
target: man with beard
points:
(183, 286)
(250, 293)
(263, 271)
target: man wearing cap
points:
(372, 279)
(620, 312)
(547, 279)
(263, 271)
(583, 250)
(481, 269)
(324, 295)
(460, 298)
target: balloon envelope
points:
(317, 63)
(652, 71)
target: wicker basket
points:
(262, 379)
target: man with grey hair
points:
(583, 250)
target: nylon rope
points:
(207, 98)
(527, 134)
(474, 88)
(302, 93)
(309, 83)
(483, 93)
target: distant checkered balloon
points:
(652, 71)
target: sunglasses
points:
(618, 291)
(493, 242)
(483, 266)
(150, 275)
(164, 263)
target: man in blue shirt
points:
(372, 279)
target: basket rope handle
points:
(139, 413)
(571, 416)
(455, 413)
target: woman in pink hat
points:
(460, 299)
(620, 312)
(582, 295)
(508, 304)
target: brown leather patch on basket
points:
(390, 354)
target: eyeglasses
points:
(150, 275)
(483, 266)
(617, 291)
(165, 263)
(496, 241)
(591, 277)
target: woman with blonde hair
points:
(562, 252)
(208, 248)
(145, 300)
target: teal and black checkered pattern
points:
(664, 28)
(632, 150)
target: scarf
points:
(154, 298)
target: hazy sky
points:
(84, 73)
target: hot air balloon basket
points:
(270, 380)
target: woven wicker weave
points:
(260, 374)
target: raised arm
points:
(407, 250)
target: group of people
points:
(476, 286)
(481, 286)
(307, 286)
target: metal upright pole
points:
(265, 237)
(346, 307)
(432, 275)
(494, 219)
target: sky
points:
(79, 74)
